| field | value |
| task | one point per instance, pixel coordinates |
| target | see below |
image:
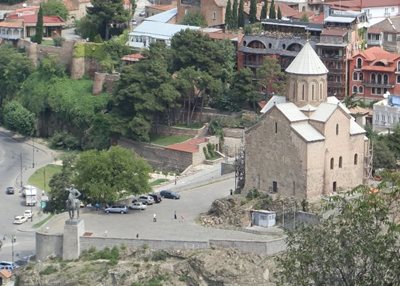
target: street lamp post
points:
(13, 239)
(33, 153)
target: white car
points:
(20, 219)
(28, 214)
(138, 206)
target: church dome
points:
(307, 62)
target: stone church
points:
(306, 144)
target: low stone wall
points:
(173, 130)
(270, 247)
(159, 157)
(102, 242)
(48, 245)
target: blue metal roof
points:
(163, 17)
(394, 100)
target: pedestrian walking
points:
(175, 216)
(231, 192)
(137, 235)
(182, 218)
(154, 218)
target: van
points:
(157, 197)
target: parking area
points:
(184, 227)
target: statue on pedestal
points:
(73, 203)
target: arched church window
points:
(302, 92)
(332, 163)
(355, 159)
(340, 162)
(337, 129)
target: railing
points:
(369, 83)
(10, 37)
(374, 42)
(252, 64)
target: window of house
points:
(360, 89)
(398, 66)
(379, 78)
(214, 15)
(269, 45)
(398, 79)
(355, 77)
(340, 162)
(283, 46)
(385, 78)
(337, 129)
(276, 127)
(302, 92)
(332, 163)
(390, 37)
(360, 76)
(373, 78)
(186, 11)
(359, 63)
(379, 90)
(355, 89)
(373, 90)
(275, 186)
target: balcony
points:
(253, 64)
(369, 83)
(331, 57)
(335, 84)
(374, 42)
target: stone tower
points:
(307, 78)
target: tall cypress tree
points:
(241, 14)
(272, 12)
(279, 13)
(264, 10)
(228, 15)
(235, 14)
(39, 26)
(253, 11)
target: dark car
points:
(10, 190)
(157, 197)
(170, 195)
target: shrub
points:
(159, 255)
(252, 194)
(48, 270)
(58, 41)
(18, 118)
(206, 154)
(64, 140)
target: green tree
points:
(241, 14)
(58, 183)
(194, 19)
(133, 7)
(14, 70)
(253, 11)
(103, 175)
(39, 27)
(272, 10)
(264, 10)
(55, 8)
(242, 89)
(108, 16)
(279, 13)
(18, 118)
(356, 244)
(304, 18)
(270, 77)
(193, 48)
(235, 15)
(228, 15)
(144, 91)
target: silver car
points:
(116, 209)
(138, 206)
(147, 200)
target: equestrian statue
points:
(73, 203)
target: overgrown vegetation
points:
(113, 254)
(48, 270)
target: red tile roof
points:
(377, 54)
(358, 4)
(379, 68)
(318, 19)
(133, 57)
(190, 146)
(5, 273)
(11, 24)
(224, 36)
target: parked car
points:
(10, 190)
(117, 209)
(157, 197)
(142, 14)
(170, 195)
(8, 265)
(138, 206)
(147, 200)
(28, 214)
(20, 219)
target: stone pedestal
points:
(73, 230)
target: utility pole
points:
(20, 156)
(33, 153)
(12, 247)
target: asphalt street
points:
(11, 152)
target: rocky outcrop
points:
(212, 267)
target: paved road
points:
(12, 205)
(192, 203)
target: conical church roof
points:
(307, 62)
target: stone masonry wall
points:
(48, 245)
